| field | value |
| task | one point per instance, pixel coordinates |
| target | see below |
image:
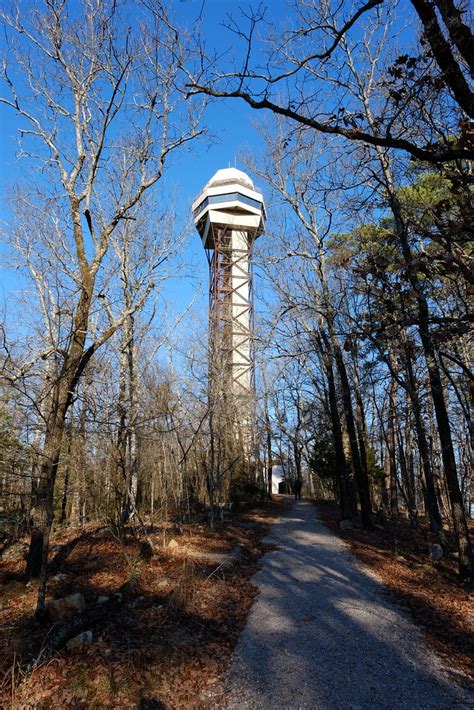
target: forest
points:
(362, 117)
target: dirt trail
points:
(321, 634)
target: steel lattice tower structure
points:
(229, 215)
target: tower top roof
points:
(229, 200)
(229, 175)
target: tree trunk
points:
(345, 492)
(405, 486)
(360, 417)
(429, 488)
(61, 398)
(66, 477)
(132, 454)
(391, 445)
(362, 480)
(449, 462)
(444, 431)
(42, 511)
(384, 497)
(211, 479)
(268, 431)
(447, 450)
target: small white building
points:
(279, 479)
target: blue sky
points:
(231, 122)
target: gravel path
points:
(322, 635)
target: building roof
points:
(229, 175)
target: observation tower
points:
(229, 215)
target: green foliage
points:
(427, 192)
(13, 455)
(322, 460)
(422, 202)
(436, 214)
(375, 472)
(368, 248)
(242, 492)
(243, 488)
(426, 200)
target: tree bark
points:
(42, 512)
(66, 477)
(431, 499)
(391, 445)
(362, 480)
(444, 431)
(345, 492)
(360, 417)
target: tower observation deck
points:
(229, 215)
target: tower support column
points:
(229, 215)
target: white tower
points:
(229, 215)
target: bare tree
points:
(362, 62)
(99, 114)
(292, 75)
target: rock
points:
(146, 550)
(172, 545)
(103, 599)
(79, 641)
(59, 577)
(72, 605)
(163, 582)
(436, 552)
(345, 524)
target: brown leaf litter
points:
(169, 640)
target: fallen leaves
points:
(169, 641)
(430, 591)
